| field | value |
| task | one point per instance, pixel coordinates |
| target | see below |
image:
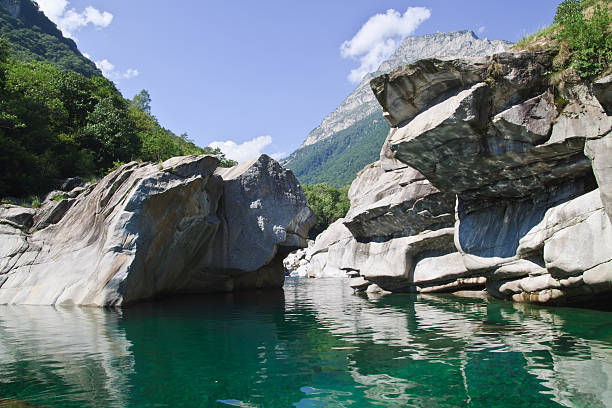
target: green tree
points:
(142, 101)
(328, 203)
(113, 133)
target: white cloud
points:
(247, 150)
(278, 156)
(379, 37)
(481, 29)
(108, 70)
(68, 20)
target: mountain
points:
(350, 137)
(34, 37)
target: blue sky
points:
(262, 74)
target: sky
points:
(257, 76)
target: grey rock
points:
(602, 89)
(583, 117)
(51, 212)
(529, 122)
(16, 216)
(148, 230)
(445, 143)
(599, 151)
(530, 220)
(395, 204)
(272, 214)
(361, 102)
(412, 89)
(71, 183)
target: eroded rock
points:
(149, 230)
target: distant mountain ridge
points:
(360, 110)
(33, 36)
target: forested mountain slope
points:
(33, 37)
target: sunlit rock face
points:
(528, 162)
(398, 234)
(149, 230)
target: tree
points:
(110, 128)
(142, 101)
(328, 203)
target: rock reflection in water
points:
(69, 355)
(315, 344)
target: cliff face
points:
(149, 230)
(523, 166)
(357, 121)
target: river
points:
(313, 344)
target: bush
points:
(588, 39)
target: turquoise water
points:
(315, 344)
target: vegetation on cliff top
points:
(581, 34)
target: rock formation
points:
(361, 103)
(488, 174)
(349, 137)
(149, 230)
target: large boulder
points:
(149, 230)
(525, 161)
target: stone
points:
(602, 89)
(599, 151)
(529, 165)
(583, 117)
(411, 89)
(71, 183)
(149, 230)
(51, 212)
(359, 284)
(528, 122)
(388, 161)
(17, 216)
(273, 215)
(395, 204)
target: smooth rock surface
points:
(16, 216)
(149, 230)
(530, 166)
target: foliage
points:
(56, 124)
(328, 203)
(337, 159)
(33, 37)
(581, 31)
(588, 39)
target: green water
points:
(315, 344)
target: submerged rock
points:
(149, 230)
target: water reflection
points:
(68, 355)
(315, 344)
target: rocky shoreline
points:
(490, 177)
(148, 230)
